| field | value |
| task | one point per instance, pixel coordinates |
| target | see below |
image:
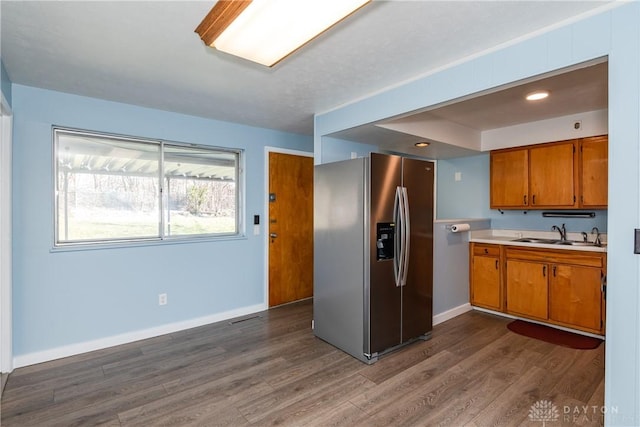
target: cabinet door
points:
(485, 282)
(594, 157)
(552, 175)
(509, 178)
(575, 297)
(527, 288)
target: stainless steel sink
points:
(535, 240)
(574, 243)
(554, 241)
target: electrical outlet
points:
(162, 299)
(577, 125)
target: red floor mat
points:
(553, 335)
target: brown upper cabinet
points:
(553, 175)
(509, 178)
(594, 155)
(558, 175)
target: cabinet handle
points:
(533, 199)
(544, 271)
(497, 265)
(554, 271)
(486, 251)
(525, 199)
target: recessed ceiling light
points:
(537, 95)
(421, 144)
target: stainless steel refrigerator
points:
(373, 253)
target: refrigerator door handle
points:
(397, 243)
(401, 230)
(406, 229)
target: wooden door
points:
(290, 228)
(485, 285)
(527, 288)
(509, 178)
(575, 297)
(594, 169)
(552, 175)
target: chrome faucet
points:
(562, 230)
(597, 240)
(584, 237)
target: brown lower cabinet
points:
(561, 287)
(576, 297)
(527, 289)
(486, 276)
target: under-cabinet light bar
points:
(568, 214)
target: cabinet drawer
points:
(489, 250)
(583, 258)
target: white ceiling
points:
(147, 53)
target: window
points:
(121, 189)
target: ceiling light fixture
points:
(421, 144)
(266, 31)
(537, 95)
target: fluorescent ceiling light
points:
(265, 31)
(537, 95)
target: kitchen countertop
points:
(506, 237)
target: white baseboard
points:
(497, 313)
(562, 328)
(84, 347)
(450, 314)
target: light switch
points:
(458, 176)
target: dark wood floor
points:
(271, 370)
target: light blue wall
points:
(469, 198)
(65, 298)
(334, 149)
(622, 357)
(5, 84)
(614, 33)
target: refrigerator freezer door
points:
(384, 296)
(417, 294)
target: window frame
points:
(163, 197)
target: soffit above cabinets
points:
(455, 128)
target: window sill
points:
(73, 247)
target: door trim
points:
(264, 227)
(6, 339)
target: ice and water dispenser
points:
(385, 232)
